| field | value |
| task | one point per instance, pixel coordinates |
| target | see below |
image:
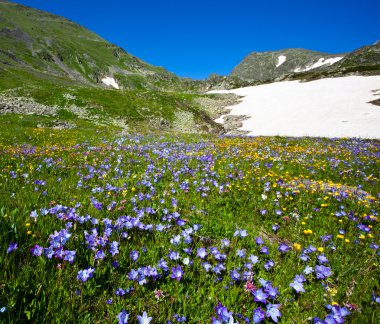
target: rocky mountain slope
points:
(300, 64)
(271, 65)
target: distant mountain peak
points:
(270, 65)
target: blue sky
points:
(196, 38)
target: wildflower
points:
(269, 265)
(69, 256)
(114, 248)
(253, 258)
(260, 296)
(322, 272)
(321, 249)
(235, 275)
(322, 259)
(264, 250)
(224, 243)
(273, 312)
(259, 240)
(201, 253)
(297, 246)
(283, 248)
(123, 317)
(308, 270)
(158, 293)
(37, 250)
(297, 286)
(85, 274)
(144, 319)
(134, 255)
(177, 273)
(258, 315)
(241, 253)
(12, 247)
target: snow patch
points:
(110, 82)
(280, 60)
(322, 61)
(335, 107)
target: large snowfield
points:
(336, 107)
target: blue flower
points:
(260, 296)
(258, 315)
(201, 253)
(144, 319)
(123, 317)
(85, 274)
(12, 247)
(273, 312)
(177, 273)
(297, 286)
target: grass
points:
(201, 189)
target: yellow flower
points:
(303, 223)
(297, 246)
(362, 237)
(321, 249)
(29, 232)
(308, 231)
(347, 240)
(339, 236)
(27, 224)
(334, 303)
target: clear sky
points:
(195, 38)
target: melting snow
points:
(281, 59)
(110, 82)
(322, 61)
(336, 107)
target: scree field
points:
(103, 229)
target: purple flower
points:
(273, 312)
(123, 317)
(114, 248)
(241, 253)
(100, 255)
(224, 243)
(253, 258)
(299, 278)
(271, 291)
(85, 274)
(134, 255)
(37, 250)
(144, 319)
(241, 233)
(69, 256)
(201, 253)
(264, 250)
(259, 240)
(322, 259)
(258, 315)
(235, 275)
(269, 265)
(260, 296)
(177, 273)
(322, 272)
(283, 248)
(297, 286)
(173, 255)
(12, 247)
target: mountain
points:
(40, 42)
(293, 64)
(65, 74)
(271, 65)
